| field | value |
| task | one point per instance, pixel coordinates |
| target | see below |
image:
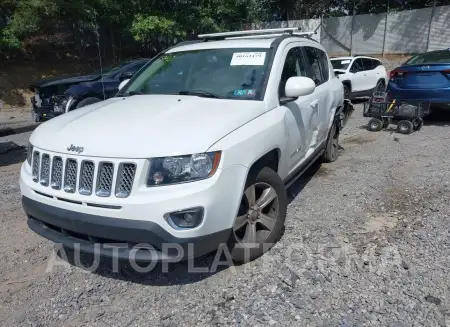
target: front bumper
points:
(116, 238)
(89, 222)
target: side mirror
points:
(126, 75)
(122, 84)
(299, 86)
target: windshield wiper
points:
(200, 93)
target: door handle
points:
(314, 103)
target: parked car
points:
(360, 75)
(424, 77)
(196, 150)
(56, 95)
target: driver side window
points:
(293, 66)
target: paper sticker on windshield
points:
(343, 62)
(248, 59)
(244, 92)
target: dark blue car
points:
(57, 95)
(86, 93)
(424, 77)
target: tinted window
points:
(430, 58)
(317, 61)
(293, 66)
(376, 63)
(367, 64)
(357, 66)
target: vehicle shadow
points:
(303, 180)
(151, 274)
(438, 117)
(11, 153)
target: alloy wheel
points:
(257, 215)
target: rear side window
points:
(368, 64)
(376, 63)
(436, 57)
(317, 62)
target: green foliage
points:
(146, 28)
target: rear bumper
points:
(437, 97)
(116, 238)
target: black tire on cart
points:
(386, 123)
(36, 118)
(375, 125)
(405, 127)
(418, 123)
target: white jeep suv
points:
(195, 151)
(360, 75)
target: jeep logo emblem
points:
(77, 149)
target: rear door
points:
(371, 73)
(358, 76)
(319, 71)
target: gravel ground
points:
(366, 244)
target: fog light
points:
(188, 218)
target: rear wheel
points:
(261, 216)
(375, 125)
(332, 149)
(405, 127)
(87, 101)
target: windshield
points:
(340, 63)
(217, 73)
(438, 57)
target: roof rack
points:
(272, 32)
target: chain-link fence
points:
(399, 32)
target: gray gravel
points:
(366, 244)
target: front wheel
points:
(375, 125)
(260, 220)
(417, 123)
(87, 101)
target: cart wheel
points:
(35, 117)
(418, 123)
(375, 125)
(386, 123)
(405, 127)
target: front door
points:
(301, 114)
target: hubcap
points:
(374, 125)
(257, 215)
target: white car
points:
(360, 75)
(195, 151)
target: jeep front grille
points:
(35, 166)
(105, 179)
(45, 169)
(85, 176)
(57, 170)
(70, 177)
(125, 179)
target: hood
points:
(69, 79)
(143, 126)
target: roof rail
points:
(254, 33)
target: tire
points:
(332, 148)
(385, 124)
(375, 125)
(417, 124)
(346, 91)
(405, 127)
(256, 230)
(87, 101)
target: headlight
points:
(182, 169)
(29, 153)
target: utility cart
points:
(406, 114)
